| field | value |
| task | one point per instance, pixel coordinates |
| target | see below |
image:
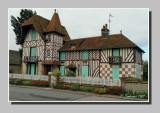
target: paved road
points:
(21, 93)
(29, 94)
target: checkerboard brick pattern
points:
(127, 70)
(105, 70)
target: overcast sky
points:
(82, 23)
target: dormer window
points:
(49, 38)
(73, 45)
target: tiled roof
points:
(112, 41)
(55, 25)
(14, 57)
(43, 25)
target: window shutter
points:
(62, 70)
(33, 34)
(84, 71)
(62, 55)
(85, 55)
(33, 51)
(115, 52)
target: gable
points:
(40, 24)
(30, 34)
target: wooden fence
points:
(80, 80)
(29, 77)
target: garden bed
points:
(29, 82)
(90, 88)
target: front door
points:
(32, 68)
(115, 72)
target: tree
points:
(16, 22)
(145, 70)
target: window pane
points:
(48, 52)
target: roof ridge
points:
(86, 38)
(94, 37)
(42, 17)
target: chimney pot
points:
(105, 26)
(104, 31)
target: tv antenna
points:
(110, 15)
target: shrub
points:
(43, 84)
(88, 89)
(35, 83)
(132, 79)
(130, 94)
(59, 86)
(75, 87)
(57, 75)
(96, 90)
(114, 90)
(28, 83)
(10, 70)
(70, 74)
(18, 82)
(102, 91)
(66, 86)
(11, 81)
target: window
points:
(115, 54)
(62, 55)
(48, 53)
(49, 38)
(84, 71)
(85, 55)
(73, 45)
(33, 34)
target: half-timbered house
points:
(47, 47)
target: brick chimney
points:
(104, 31)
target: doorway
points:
(48, 69)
